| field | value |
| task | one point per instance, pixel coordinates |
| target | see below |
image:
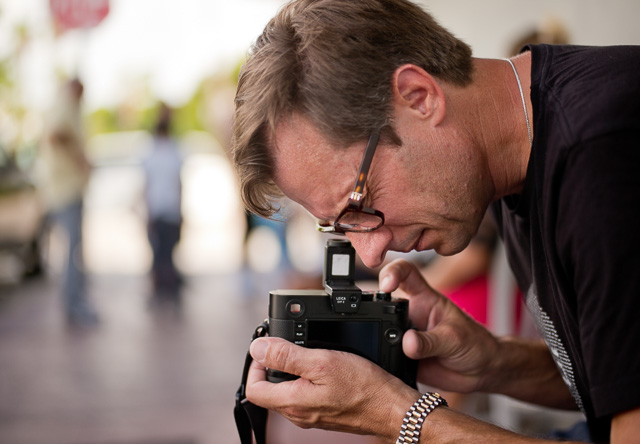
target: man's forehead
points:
(307, 167)
(298, 146)
(297, 140)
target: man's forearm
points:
(524, 369)
(530, 375)
(445, 425)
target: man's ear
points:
(419, 91)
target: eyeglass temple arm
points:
(364, 166)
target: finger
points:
(314, 366)
(280, 354)
(257, 373)
(402, 275)
(426, 344)
(422, 298)
(262, 392)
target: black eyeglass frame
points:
(355, 204)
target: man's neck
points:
(502, 132)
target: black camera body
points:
(343, 317)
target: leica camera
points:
(343, 317)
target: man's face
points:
(423, 207)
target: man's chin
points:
(449, 247)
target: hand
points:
(455, 352)
(336, 390)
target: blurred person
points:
(547, 140)
(163, 198)
(63, 173)
(550, 31)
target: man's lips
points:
(416, 244)
(424, 244)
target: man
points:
(547, 139)
(163, 197)
(63, 172)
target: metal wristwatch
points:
(413, 420)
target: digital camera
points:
(343, 317)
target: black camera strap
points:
(250, 417)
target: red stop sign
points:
(79, 13)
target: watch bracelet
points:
(413, 420)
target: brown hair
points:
(332, 61)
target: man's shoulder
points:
(586, 91)
(570, 67)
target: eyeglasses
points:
(355, 217)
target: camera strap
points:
(250, 417)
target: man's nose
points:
(371, 247)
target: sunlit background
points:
(187, 54)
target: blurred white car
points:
(21, 223)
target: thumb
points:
(278, 354)
(427, 344)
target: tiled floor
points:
(152, 372)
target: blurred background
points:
(157, 355)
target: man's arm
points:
(344, 392)
(67, 142)
(458, 354)
(625, 427)
(524, 369)
(448, 426)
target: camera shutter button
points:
(393, 335)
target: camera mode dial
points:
(383, 296)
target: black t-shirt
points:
(573, 235)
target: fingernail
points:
(259, 350)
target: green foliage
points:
(186, 117)
(102, 121)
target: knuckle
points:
(399, 267)
(301, 417)
(321, 366)
(281, 353)
(452, 334)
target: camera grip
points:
(279, 328)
